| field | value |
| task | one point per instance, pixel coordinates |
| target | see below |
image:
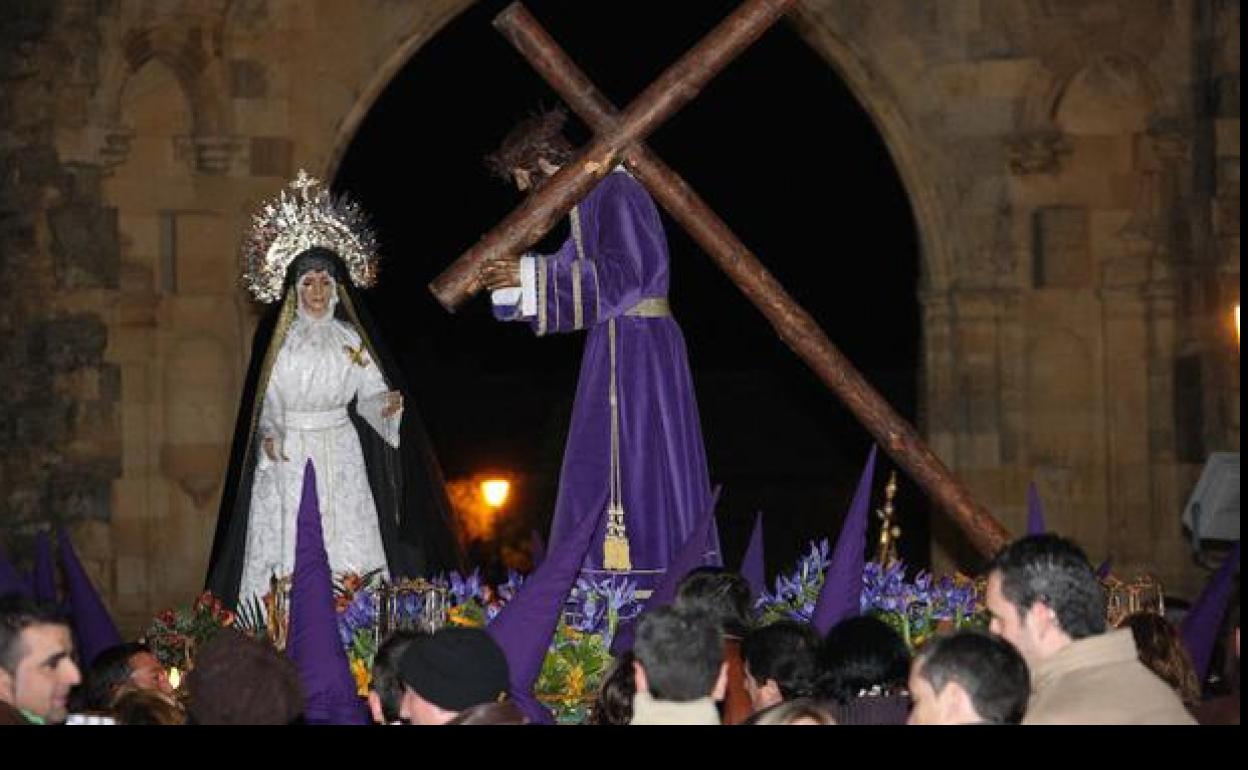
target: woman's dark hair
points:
(1161, 649)
(791, 711)
(145, 707)
(862, 653)
(614, 705)
(315, 258)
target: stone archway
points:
(962, 92)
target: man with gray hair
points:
(1045, 599)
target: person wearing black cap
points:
(448, 672)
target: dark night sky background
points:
(776, 145)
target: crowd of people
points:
(1047, 657)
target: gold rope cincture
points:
(615, 551)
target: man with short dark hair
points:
(385, 690)
(781, 663)
(449, 671)
(1045, 599)
(129, 665)
(37, 668)
(679, 668)
(968, 678)
(725, 596)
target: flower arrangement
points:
(917, 609)
(174, 633)
(579, 657)
(797, 593)
(914, 608)
(580, 652)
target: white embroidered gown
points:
(320, 368)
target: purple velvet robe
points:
(664, 480)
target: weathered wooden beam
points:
(794, 325)
(671, 91)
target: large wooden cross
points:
(619, 138)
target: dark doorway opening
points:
(776, 144)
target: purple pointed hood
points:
(525, 626)
(11, 581)
(1203, 622)
(753, 564)
(1035, 511)
(313, 643)
(842, 584)
(94, 630)
(45, 573)
(692, 555)
(1103, 571)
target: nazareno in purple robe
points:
(619, 277)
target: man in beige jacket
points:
(1044, 599)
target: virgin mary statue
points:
(321, 386)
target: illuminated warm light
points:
(1236, 323)
(495, 492)
(175, 677)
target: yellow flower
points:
(457, 616)
(576, 684)
(363, 677)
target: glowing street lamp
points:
(495, 492)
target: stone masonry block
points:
(248, 79)
(272, 156)
(1227, 137)
(69, 342)
(1061, 256)
(86, 247)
